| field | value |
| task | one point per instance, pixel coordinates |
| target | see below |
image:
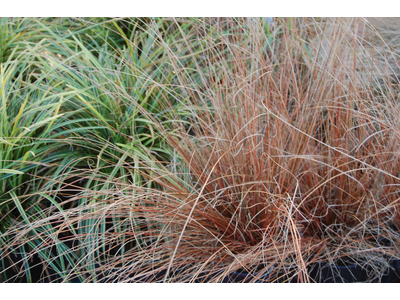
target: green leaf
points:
(11, 171)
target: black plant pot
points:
(320, 273)
(394, 272)
(245, 277)
(339, 274)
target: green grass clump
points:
(111, 104)
(29, 153)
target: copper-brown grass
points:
(293, 158)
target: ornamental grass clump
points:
(291, 161)
(29, 154)
(110, 101)
(282, 155)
